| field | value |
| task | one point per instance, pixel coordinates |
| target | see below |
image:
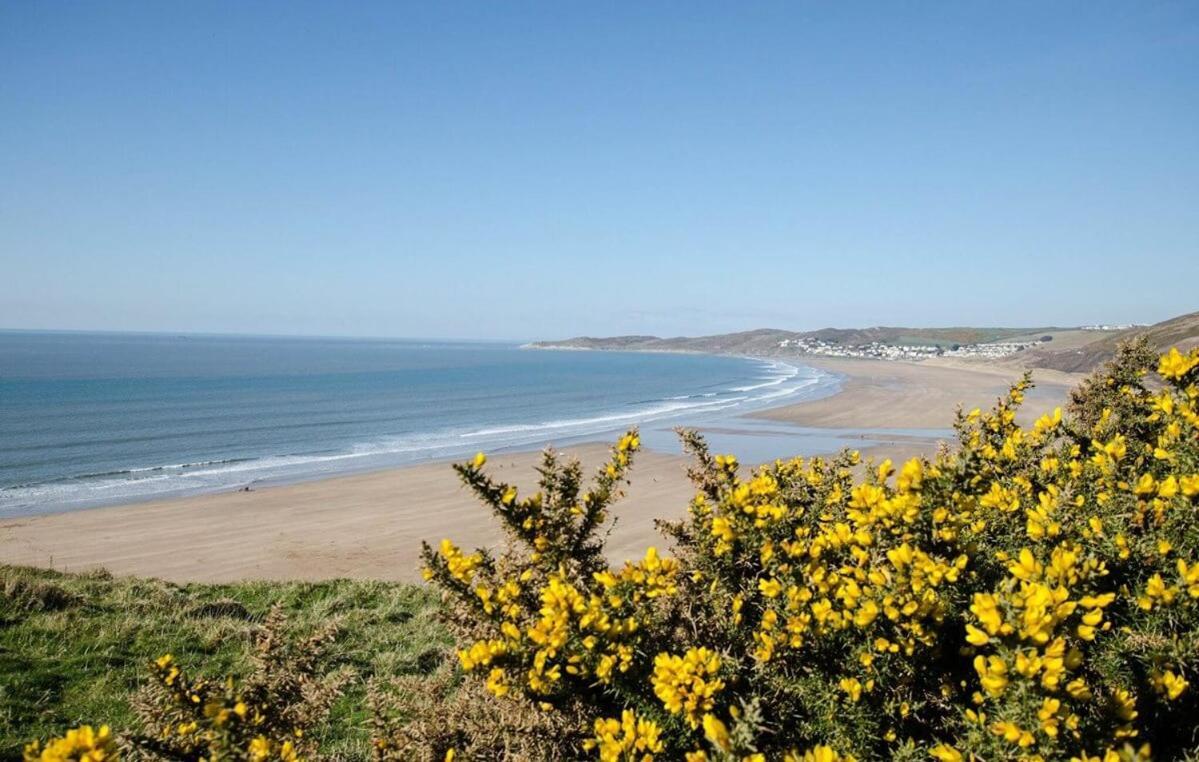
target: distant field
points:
(950, 336)
(1063, 338)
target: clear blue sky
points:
(519, 170)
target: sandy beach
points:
(371, 525)
(365, 525)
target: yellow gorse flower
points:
(1174, 365)
(626, 738)
(81, 744)
(688, 684)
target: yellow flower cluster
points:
(652, 577)
(557, 618)
(571, 634)
(81, 744)
(850, 562)
(262, 749)
(1174, 365)
(628, 738)
(688, 684)
(459, 565)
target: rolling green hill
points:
(1071, 349)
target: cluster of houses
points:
(879, 351)
(997, 349)
(1120, 327)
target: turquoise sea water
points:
(91, 419)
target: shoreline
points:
(189, 480)
(370, 524)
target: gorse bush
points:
(1028, 594)
(265, 716)
(80, 647)
(417, 719)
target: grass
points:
(75, 647)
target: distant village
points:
(880, 351)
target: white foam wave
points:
(790, 372)
(571, 423)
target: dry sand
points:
(371, 525)
(365, 525)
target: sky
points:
(521, 170)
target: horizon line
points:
(246, 335)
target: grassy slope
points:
(1181, 332)
(74, 647)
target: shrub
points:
(268, 715)
(25, 595)
(1031, 594)
(433, 719)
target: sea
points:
(90, 419)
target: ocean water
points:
(90, 419)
